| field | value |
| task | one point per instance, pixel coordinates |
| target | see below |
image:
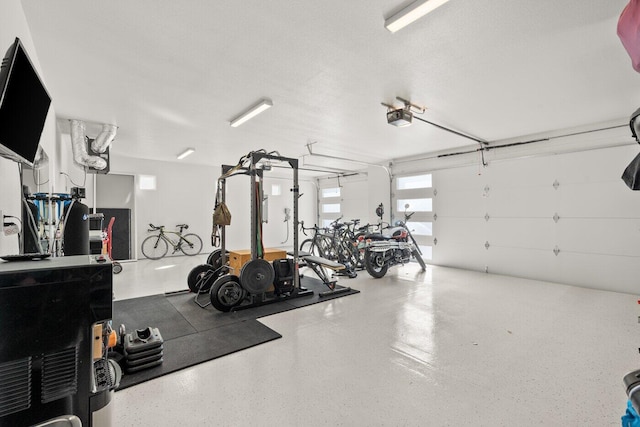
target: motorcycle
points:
(392, 246)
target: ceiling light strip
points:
(264, 104)
(411, 13)
(185, 153)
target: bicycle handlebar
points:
(156, 228)
(303, 228)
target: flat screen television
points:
(24, 104)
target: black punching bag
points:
(76, 230)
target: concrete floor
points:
(446, 347)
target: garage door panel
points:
(534, 233)
(460, 204)
(598, 199)
(529, 202)
(523, 262)
(600, 236)
(618, 274)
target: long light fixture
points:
(185, 153)
(264, 104)
(411, 13)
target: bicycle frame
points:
(175, 245)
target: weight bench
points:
(319, 266)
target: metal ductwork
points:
(79, 145)
(104, 139)
(41, 159)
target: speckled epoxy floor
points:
(446, 347)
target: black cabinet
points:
(49, 312)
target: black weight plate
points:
(226, 293)
(215, 258)
(196, 277)
(256, 276)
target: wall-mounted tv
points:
(24, 104)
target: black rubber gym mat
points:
(206, 332)
(206, 318)
(155, 311)
(183, 352)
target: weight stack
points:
(143, 349)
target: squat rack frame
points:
(253, 170)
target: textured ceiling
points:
(171, 74)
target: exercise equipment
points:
(257, 276)
(284, 270)
(243, 279)
(320, 266)
(141, 349)
(202, 277)
(253, 280)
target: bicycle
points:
(338, 243)
(320, 244)
(157, 245)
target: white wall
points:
(360, 195)
(597, 233)
(186, 193)
(277, 232)
(13, 24)
(378, 191)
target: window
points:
(147, 182)
(420, 228)
(331, 208)
(415, 205)
(331, 192)
(416, 181)
(276, 190)
(413, 194)
(427, 252)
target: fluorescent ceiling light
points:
(411, 13)
(185, 153)
(264, 104)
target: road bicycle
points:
(337, 243)
(157, 245)
(320, 244)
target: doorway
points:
(115, 198)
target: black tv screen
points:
(24, 104)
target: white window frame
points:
(424, 216)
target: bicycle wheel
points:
(327, 248)
(308, 247)
(153, 247)
(191, 244)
